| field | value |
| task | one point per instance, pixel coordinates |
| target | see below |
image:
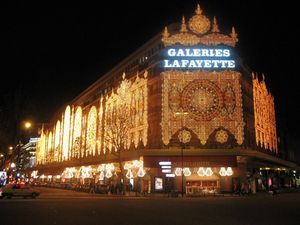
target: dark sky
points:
(53, 54)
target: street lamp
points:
(184, 137)
(32, 128)
(27, 125)
(2, 158)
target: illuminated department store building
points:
(192, 114)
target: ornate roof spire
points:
(215, 27)
(233, 34)
(199, 30)
(166, 33)
(183, 25)
(199, 23)
(198, 10)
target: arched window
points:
(66, 134)
(77, 133)
(91, 132)
(57, 141)
(49, 150)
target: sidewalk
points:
(62, 193)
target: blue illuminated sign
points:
(206, 58)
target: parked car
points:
(18, 190)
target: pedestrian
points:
(235, 188)
(92, 187)
(117, 188)
(242, 192)
(273, 190)
(112, 188)
(250, 187)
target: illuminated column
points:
(264, 115)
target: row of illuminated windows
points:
(80, 133)
(65, 140)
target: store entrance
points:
(169, 184)
(202, 187)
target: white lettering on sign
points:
(199, 58)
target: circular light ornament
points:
(187, 172)
(101, 177)
(209, 172)
(178, 172)
(129, 174)
(222, 172)
(141, 172)
(229, 171)
(201, 172)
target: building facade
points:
(180, 113)
(27, 155)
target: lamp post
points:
(183, 140)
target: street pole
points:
(182, 192)
(182, 141)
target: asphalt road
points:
(60, 207)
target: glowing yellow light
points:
(69, 172)
(209, 172)
(135, 163)
(66, 134)
(129, 174)
(108, 174)
(109, 168)
(91, 132)
(57, 142)
(101, 167)
(34, 174)
(85, 171)
(141, 172)
(222, 171)
(229, 171)
(127, 166)
(178, 171)
(101, 177)
(201, 172)
(27, 125)
(226, 172)
(187, 172)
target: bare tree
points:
(117, 128)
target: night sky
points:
(49, 56)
